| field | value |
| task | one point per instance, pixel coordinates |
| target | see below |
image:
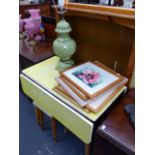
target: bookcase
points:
(103, 33)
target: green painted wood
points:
(76, 123)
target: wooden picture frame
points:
(96, 106)
(92, 78)
(74, 89)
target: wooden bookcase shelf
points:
(123, 16)
(104, 10)
(103, 33)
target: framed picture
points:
(92, 78)
(98, 103)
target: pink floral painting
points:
(88, 76)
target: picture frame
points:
(93, 105)
(92, 78)
(96, 105)
(74, 89)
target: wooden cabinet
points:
(115, 135)
(103, 33)
(45, 8)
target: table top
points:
(44, 74)
(36, 53)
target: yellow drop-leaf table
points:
(37, 83)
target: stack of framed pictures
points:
(90, 84)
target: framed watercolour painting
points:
(92, 78)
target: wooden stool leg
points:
(54, 128)
(41, 118)
(87, 149)
(37, 115)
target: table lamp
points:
(64, 46)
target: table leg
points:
(54, 128)
(87, 149)
(37, 115)
(41, 118)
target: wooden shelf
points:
(104, 10)
(123, 16)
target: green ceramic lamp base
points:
(64, 46)
(61, 66)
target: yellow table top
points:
(44, 73)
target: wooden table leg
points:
(37, 115)
(54, 128)
(41, 118)
(87, 149)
